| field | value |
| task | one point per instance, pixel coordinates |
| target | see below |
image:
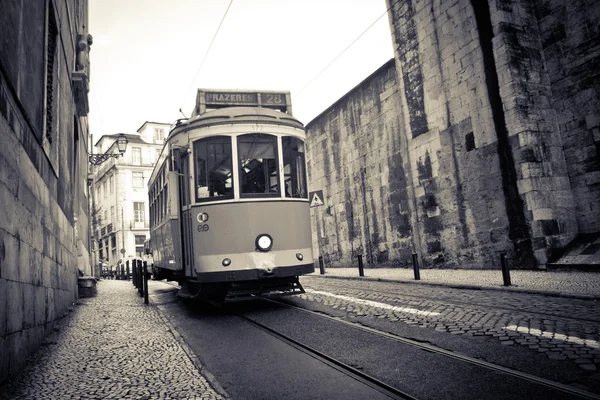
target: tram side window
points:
(258, 164)
(294, 167)
(214, 168)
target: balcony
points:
(139, 225)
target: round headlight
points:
(264, 242)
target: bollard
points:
(122, 272)
(415, 261)
(321, 266)
(127, 272)
(505, 270)
(145, 275)
(361, 271)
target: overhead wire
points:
(207, 51)
(347, 47)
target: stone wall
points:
(570, 39)
(43, 172)
(487, 141)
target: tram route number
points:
(272, 98)
(203, 228)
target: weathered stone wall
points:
(43, 212)
(487, 142)
(570, 39)
(354, 156)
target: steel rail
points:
(354, 373)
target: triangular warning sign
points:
(316, 198)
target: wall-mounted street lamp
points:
(97, 159)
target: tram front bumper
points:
(255, 273)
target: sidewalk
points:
(112, 346)
(573, 284)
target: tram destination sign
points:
(223, 98)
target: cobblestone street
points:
(561, 328)
(112, 346)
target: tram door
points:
(187, 224)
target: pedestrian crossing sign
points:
(316, 198)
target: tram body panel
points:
(230, 231)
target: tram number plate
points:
(203, 228)
(272, 98)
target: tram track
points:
(285, 333)
(447, 301)
(429, 348)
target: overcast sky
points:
(146, 55)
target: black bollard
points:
(145, 275)
(505, 270)
(415, 261)
(361, 271)
(321, 266)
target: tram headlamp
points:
(264, 242)
(299, 256)
(226, 262)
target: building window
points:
(137, 155)
(104, 189)
(51, 73)
(105, 218)
(138, 179)
(112, 214)
(112, 184)
(159, 134)
(138, 212)
(157, 155)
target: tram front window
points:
(213, 165)
(258, 165)
(293, 167)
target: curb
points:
(549, 293)
(210, 378)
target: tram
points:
(229, 206)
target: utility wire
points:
(207, 51)
(347, 47)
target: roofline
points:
(152, 122)
(335, 103)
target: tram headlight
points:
(226, 262)
(264, 242)
(299, 256)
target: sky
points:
(149, 57)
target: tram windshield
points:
(293, 167)
(258, 165)
(213, 168)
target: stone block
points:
(14, 306)
(542, 214)
(3, 310)
(50, 304)
(40, 305)
(24, 263)
(17, 354)
(28, 305)
(9, 256)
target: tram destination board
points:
(224, 98)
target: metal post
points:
(361, 271)
(145, 275)
(321, 266)
(505, 270)
(415, 261)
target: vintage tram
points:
(229, 207)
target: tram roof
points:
(238, 115)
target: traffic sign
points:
(316, 198)
(123, 251)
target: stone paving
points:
(112, 346)
(560, 282)
(562, 328)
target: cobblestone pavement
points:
(561, 328)
(111, 346)
(565, 283)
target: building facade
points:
(44, 242)
(479, 138)
(120, 223)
